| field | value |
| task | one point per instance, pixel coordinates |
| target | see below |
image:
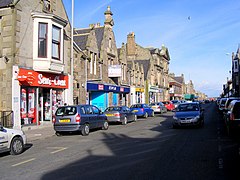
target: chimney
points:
(108, 17)
(131, 45)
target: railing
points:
(6, 118)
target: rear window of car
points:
(188, 107)
(136, 106)
(66, 111)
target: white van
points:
(12, 140)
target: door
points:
(99, 99)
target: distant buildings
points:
(35, 65)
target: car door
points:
(98, 117)
(130, 114)
(3, 139)
(91, 117)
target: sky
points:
(200, 34)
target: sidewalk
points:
(35, 132)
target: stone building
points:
(177, 87)
(34, 59)
(155, 66)
(105, 73)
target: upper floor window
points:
(56, 34)
(42, 40)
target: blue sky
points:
(200, 35)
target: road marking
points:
(29, 160)
(61, 149)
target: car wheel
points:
(124, 121)
(153, 114)
(135, 118)
(16, 146)
(146, 115)
(85, 130)
(105, 125)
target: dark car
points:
(188, 114)
(142, 110)
(232, 118)
(120, 114)
(79, 118)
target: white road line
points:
(23, 162)
(61, 149)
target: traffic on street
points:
(149, 148)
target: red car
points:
(169, 105)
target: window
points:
(42, 40)
(91, 63)
(95, 64)
(56, 42)
(235, 66)
(95, 110)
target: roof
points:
(4, 3)
(81, 41)
(179, 79)
(81, 36)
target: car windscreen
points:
(188, 107)
(67, 111)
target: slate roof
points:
(81, 41)
(146, 66)
(4, 3)
(81, 36)
(99, 31)
(179, 79)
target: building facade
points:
(35, 62)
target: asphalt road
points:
(146, 149)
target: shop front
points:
(40, 95)
(153, 94)
(103, 95)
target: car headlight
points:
(196, 118)
(175, 118)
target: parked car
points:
(142, 110)
(12, 140)
(169, 105)
(222, 104)
(188, 114)
(176, 103)
(121, 114)
(232, 118)
(79, 118)
(158, 107)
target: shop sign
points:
(139, 89)
(112, 88)
(114, 71)
(100, 87)
(33, 78)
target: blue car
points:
(142, 110)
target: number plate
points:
(109, 114)
(135, 110)
(185, 121)
(64, 120)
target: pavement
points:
(38, 132)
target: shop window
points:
(56, 34)
(42, 40)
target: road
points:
(146, 149)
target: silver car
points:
(158, 107)
(120, 114)
(12, 140)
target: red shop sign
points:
(33, 78)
